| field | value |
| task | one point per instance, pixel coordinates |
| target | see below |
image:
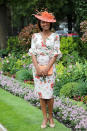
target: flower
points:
(66, 110)
(47, 15)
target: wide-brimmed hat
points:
(45, 16)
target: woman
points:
(45, 49)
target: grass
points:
(17, 114)
(0, 65)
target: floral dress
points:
(44, 51)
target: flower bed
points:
(63, 108)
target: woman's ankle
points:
(51, 120)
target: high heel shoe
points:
(51, 123)
(45, 124)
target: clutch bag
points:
(50, 72)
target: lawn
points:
(17, 114)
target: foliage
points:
(72, 72)
(13, 44)
(71, 45)
(80, 90)
(72, 58)
(26, 34)
(85, 99)
(64, 109)
(80, 11)
(75, 72)
(13, 63)
(8, 64)
(73, 50)
(21, 11)
(14, 47)
(83, 26)
(82, 48)
(67, 89)
(24, 75)
(3, 53)
(60, 68)
(68, 45)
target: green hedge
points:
(24, 75)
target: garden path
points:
(17, 114)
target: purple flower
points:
(64, 108)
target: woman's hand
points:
(42, 72)
(39, 72)
(45, 71)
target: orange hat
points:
(45, 16)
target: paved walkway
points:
(2, 128)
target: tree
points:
(12, 13)
(80, 11)
(62, 9)
(4, 24)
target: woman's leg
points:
(50, 103)
(43, 104)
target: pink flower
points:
(43, 45)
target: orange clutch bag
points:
(50, 72)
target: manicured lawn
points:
(17, 114)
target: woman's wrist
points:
(37, 67)
(48, 67)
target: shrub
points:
(8, 63)
(71, 58)
(60, 68)
(67, 89)
(3, 53)
(24, 75)
(85, 99)
(26, 34)
(73, 72)
(13, 63)
(83, 27)
(68, 45)
(13, 44)
(80, 90)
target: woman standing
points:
(45, 49)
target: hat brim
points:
(45, 19)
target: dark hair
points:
(40, 25)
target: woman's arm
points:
(34, 60)
(52, 61)
(33, 53)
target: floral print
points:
(44, 51)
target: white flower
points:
(1, 72)
(23, 56)
(58, 80)
(9, 54)
(7, 61)
(70, 66)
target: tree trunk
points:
(69, 18)
(3, 26)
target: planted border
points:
(64, 109)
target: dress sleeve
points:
(32, 50)
(56, 49)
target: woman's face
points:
(45, 25)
